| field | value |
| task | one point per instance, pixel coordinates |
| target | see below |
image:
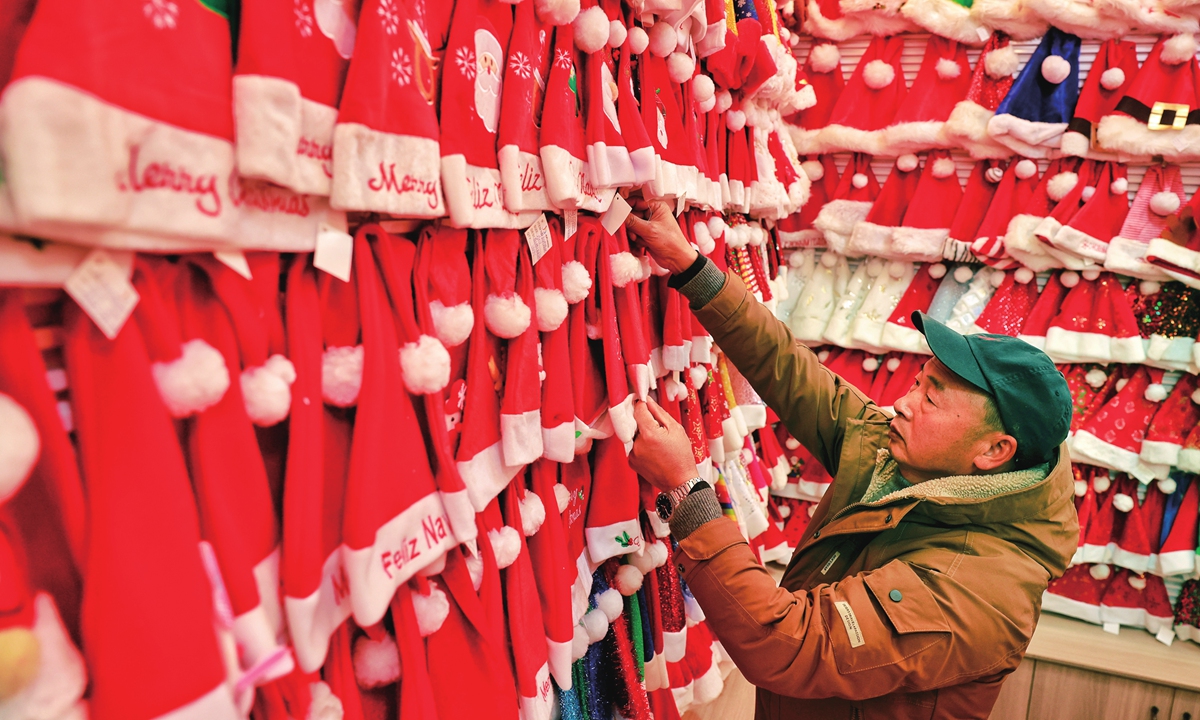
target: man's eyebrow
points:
(937, 384)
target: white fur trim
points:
(918, 244)
(1032, 139)
(377, 168)
(870, 239)
(1123, 134)
(967, 126)
(948, 19)
(1165, 250)
(193, 382)
(1101, 453)
(273, 119)
(1061, 605)
(837, 220)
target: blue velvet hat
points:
(1034, 115)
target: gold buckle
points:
(1156, 114)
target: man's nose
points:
(902, 407)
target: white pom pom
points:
(896, 269)
(533, 514)
(624, 267)
(859, 180)
(1149, 287)
(1061, 184)
(943, 168)
(557, 12)
(638, 40)
(577, 282)
(663, 39)
(785, 511)
(642, 560)
(1091, 274)
(724, 101)
(1101, 483)
(658, 553)
(757, 236)
(1023, 275)
(716, 226)
(706, 105)
(452, 324)
(506, 544)
(1088, 192)
(680, 67)
(793, 41)
(813, 169)
(1122, 383)
(595, 625)
(735, 120)
(551, 307)
(875, 267)
(703, 88)
(1112, 78)
(628, 580)
(892, 364)
(824, 58)
(699, 375)
(267, 394)
(870, 364)
(1155, 392)
(791, 443)
(1069, 278)
(425, 365)
(1118, 186)
(341, 375)
(1095, 377)
(1080, 488)
(907, 162)
(376, 663)
(1055, 69)
(1164, 203)
(20, 446)
(193, 382)
(475, 569)
(829, 260)
(1196, 396)
(1100, 572)
(947, 69)
(937, 271)
(877, 74)
(431, 609)
(591, 29)
(506, 316)
(562, 497)
(1179, 49)
(1166, 486)
(1123, 502)
(1001, 62)
(617, 33)
(579, 643)
(610, 604)
(325, 705)
(996, 279)
(963, 274)
(993, 174)
(1026, 169)
(823, 356)
(796, 259)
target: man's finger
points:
(644, 418)
(639, 226)
(662, 416)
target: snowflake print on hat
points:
(304, 18)
(520, 65)
(562, 58)
(465, 60)
(162, 13)
(402, 69)
(389, 16)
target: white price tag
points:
(1111, 627)
(983, 33)
(538, 238)
(102, 289)
(235, 260)
(680, 205)
(1166, 636)
(615, 217)
(335, 252)
(1180, 141)
(570, 223)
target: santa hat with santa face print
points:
(1113, 436)
(1112, 72)
(941, 83)
(386, 138)
(927, 220)
(982, 184)
(852, 201)
(990, 81)
(873, 235)
(1145, 122)
(1158, 197)
(869, 101)
(1034, 114)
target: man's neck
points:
(916, 476)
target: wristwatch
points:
(667, 502)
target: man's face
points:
(940, 426)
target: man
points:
(918, 583)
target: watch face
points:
(664, 506)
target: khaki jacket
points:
(917, 605)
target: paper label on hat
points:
(1166, 636)
(102, 289)
(570, 223)
(983, 33)
(1181, 142)
(335, 251)
(235, 260)
(538, 237)
(1111, 627)
(680, 205)
(615, 217)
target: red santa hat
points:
(1158, 197)
(1145, 122)
(342, 359)
(873, 236)
(530, 51)
(941, 83)
(852, 200)
(1011, 304)
(981, 187)
(1133, 547)
(1076, 594)
(387, 126)
(899, 333)
(285, 92)
(1020, 240)
(1112, 72)
(553, 570)
(1177, 556)
(1172, 423)
(662, 116)
(632, 128)
(1079, 190)
(131, 457)
(928, 217)
(1177, 251)
(612, 526)
(823, 69)
(796, 230)
(1189, 454)
(1113, 436)
(1139, 601)
(1095, 323)
(1096, 544)
(1089, 230)
(1044, 311)
(967, 124)
(1014, 192)
(870, 100)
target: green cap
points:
(1031, 394)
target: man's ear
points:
(1001, 450)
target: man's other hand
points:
(662, 452)
(659, 233)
